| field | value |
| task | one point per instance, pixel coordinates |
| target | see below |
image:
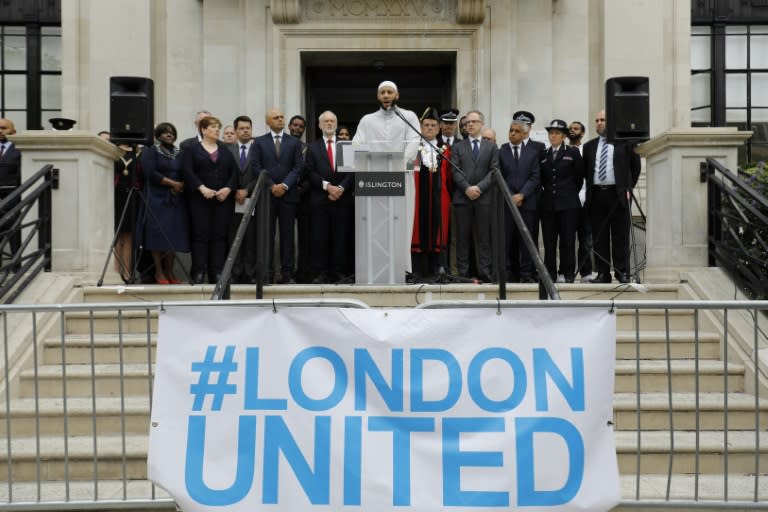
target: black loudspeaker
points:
(131, 110)
(627, 104)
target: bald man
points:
(10, 173)
(280, 154)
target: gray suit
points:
(473, 218)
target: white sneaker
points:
(586, 279)
(560, 278)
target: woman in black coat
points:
(562, 174)
(210, 176)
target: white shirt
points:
(385, 126)
(610, 178)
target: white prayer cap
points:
(387, 83)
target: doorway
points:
(345, 83)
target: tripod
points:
(137, 248)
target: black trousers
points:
(559, 228)
(610, 230)
(473, 223)
(244, 268)
(584, 232)
(210, 227)
(519, 261)
(285, 214)
(330, 223)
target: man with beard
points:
(386, 128)
(576, 132)
(429, 243)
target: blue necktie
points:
(602, 170)
(242, 157)
(475, 148)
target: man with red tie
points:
(332, 208)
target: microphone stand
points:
(443, 277)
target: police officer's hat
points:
(557, 124)
(62, 123)
(449, 115)
(523, 116)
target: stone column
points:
(676, 236)
(83, 205)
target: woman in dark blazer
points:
(562, 174)
(210, 176)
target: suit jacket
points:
(10, 169)
(626, 167)
(471, 172)
(248, 175)
(523, 175)
(187, 143)
(286, 168)
(561, 179)
(199, 169)
(318, 169)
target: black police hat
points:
(62, 123)
(523, 116)
(557, 124)
(449, 115)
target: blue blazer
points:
(286, 168)
(523, 176)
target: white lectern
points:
(381, 232)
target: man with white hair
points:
(385, 128)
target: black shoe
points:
(622, 277)
(321, 278)
(287, 278)
(484, 278)
(601, 279)
(570, 279)
(346, 279)
(528, 279)
(250, 280)
(198, 278)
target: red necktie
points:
(330, 155)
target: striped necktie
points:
(602, 169)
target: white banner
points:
(352, 409)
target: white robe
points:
(383, 126)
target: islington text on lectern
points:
(381, 231)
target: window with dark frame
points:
(729, 71)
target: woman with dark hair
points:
(210, 175)
(343, 133)
(166, 226)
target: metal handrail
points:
(21, 269)
(547, 288)
(257, 198)
(737, 228)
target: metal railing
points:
(20, 225)
(690, 409)
(256, 207)
(737, 229)
(502, 196)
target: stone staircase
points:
(100, 431)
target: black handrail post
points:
(262, 231)
(44, 217)
(500, 243)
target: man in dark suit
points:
(474, 160)
(10, 176)
(280, 154)
(332, 209)
(244, 269)
(612, 171)
(520, 169)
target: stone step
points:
(106, 348)
(137, 381)
(112, 416)
(381, 296)
(655, 408)
(49, 459)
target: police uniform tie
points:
(475, 148)
(277, 145)
(242, 157)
